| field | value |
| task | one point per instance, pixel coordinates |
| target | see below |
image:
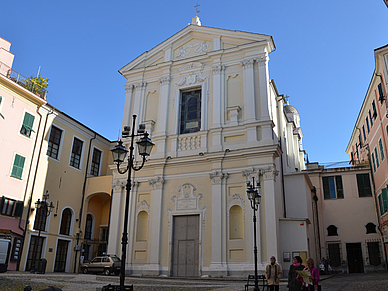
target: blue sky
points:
(323, 60)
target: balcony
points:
(23, 81)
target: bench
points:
(251, 282)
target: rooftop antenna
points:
(196, 9)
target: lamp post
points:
(43, 211)
(255, 199)
(144, 146)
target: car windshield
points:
(115, 259)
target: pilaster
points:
(249, 90)
(218, 266)
(114, 240)
(138, 106)
(264, 86)
(131, 224)
(154, 267)
(127, 105)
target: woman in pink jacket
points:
(314, 277)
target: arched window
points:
(41, 218)
(332, 230)
(142, 226)
(65, 222)
(370, 228)
(88, 226)
(235, 222)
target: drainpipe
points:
(283, 190)
(315, 198)
(82, 202)
(33, 182)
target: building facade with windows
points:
(369, 140)
(217, 121)
(345, 219)
(19, 124)
(70, 158)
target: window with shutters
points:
(76, 151)
(332, 187)
(18, 165)
(332, 230)
(334, 254)
(190, 111)
(1, 102)
(374, 253)
(374, 109)
(371, 119)
(363, 132)
(367, 124)
(89, 227)
(41, 218)
(370, 228)
(54, 142)
(363, 184)
(96, 160)
(383, 201)
(377, 158)
(381, 93)
(65, 222)
(374, 162)
(381, 150)
(7, 206)
(27, 125)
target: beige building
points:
(70, 156)
(345, 218)
(217, 121)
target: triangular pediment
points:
(194, 41)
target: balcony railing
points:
(23, 81)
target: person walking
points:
(314, 275)
(273, 274)
(293, 283)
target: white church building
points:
(217, 121)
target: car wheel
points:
(85, 270)
(106, 272)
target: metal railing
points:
(23, 81)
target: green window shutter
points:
(28, 123)
(385, 199)
(377, 158)
(381, 93)
(19, 209)
(381, 204)
(338, 184)
(18, 164)
(326, 187)
(374, 162)
(360, 185)
(381, 150)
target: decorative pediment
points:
(196, 40)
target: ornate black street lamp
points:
(255, 199)
(144, 146)
(42, 212)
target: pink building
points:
(19, 124)
(369, 140)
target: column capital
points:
(270, 173)
(129, 88)
(117, 185)
(156, 183)
(247, 63)
(165, 80)
(217, 177)
(218, 69)
(263, 60)
(140, 85)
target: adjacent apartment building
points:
(345, 220)
(369, 141)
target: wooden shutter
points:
(385, 199)
(19, 209)
(2, 204)
(326, 188)
(381, 204)
(28, 122)
(18, 164)
(338, 183)
(360, 185)
(381, 93)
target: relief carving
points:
(156, 183)
(199, 48)
(217, 177)
(247, 63)
(218, 69)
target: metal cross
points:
(196, 9)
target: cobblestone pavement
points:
(72, 282)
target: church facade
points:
(217, 121)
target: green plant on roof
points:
(37, 85)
